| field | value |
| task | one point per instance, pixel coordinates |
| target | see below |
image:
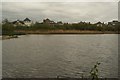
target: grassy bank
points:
(25, 32)
(64, 32)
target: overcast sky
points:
(61, 11)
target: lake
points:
(48, 56)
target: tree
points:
(5, 21)
(7, 29)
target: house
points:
(48, 21)
(27, 22)
(59, 23)
(113, 23)
(18, 23)
(99, 24)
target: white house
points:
(27, 22)
(18, 23)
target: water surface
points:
(43, 56)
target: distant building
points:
(59, 23)
(113, 23)
(27, 22)
(82, 22)
(48, 21)
(18, 23)
(99, 24)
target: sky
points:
(61, 11)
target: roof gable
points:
(27, 19)
(18, 22)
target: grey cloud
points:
(67, 12)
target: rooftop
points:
(27, 19)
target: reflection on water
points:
(60, 55)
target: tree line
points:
(9, 28)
